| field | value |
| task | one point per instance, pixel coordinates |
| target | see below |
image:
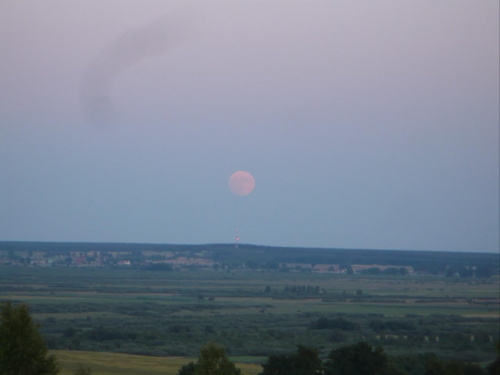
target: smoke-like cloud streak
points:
(150, 40)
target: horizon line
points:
(246, 244)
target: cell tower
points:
(236, 239)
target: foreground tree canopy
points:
(22, 349)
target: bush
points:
(212, 361)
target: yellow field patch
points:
(102, 363)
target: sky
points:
(365, 124)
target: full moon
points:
(241, 183)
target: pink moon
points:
(241, 183)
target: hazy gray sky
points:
(365, 124)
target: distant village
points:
(170, 260)
(230, 257)
(100, 258)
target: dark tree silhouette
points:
(22, 348)
(305, 362)
(359, 359)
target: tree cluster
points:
(302, 289)
(335, 323)
(392, 325)
(304, 361)
(212, 361)
(363, 359)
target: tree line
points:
(356, 359)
